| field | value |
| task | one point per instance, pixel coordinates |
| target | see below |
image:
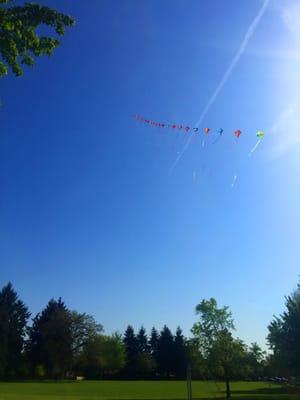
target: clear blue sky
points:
(88, 208)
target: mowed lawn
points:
(139, 390)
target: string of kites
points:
(237, 133)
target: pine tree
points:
(180, 356)
(132, 350)
(142, 339)
(153, 342)
(165, 352)
(13, 319)
(153, 346)
(284, 335)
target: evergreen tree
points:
(50, 340)
(132, 350)
(153, 342)
(284, 335)
(153, 346)
(145, 364)
(256, 359)
(142, 339)
(180, 357)
(13, 319)
(165, 352)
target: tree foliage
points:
(102, 356)
(284, 335)
(143, 346)
(13, 320)
(180, 354)
(153, 342)
(213, 320)
(256, 358)
(83, 329)
(61, 343)
(50, 339)
(20, 42)
(165, 352)
(132, 350)
(222, 352)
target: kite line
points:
(226, 76)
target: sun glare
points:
(286, 127)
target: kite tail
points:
(194, 175)
(217, 139)
(233, 181)
(203, 142)
(255, 147)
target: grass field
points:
(140, 390)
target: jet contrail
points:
(226, 76)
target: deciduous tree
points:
(50, 339)
(83, 328)
(20, 42)
(224, 354)
(102, 356)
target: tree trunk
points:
(228, 392)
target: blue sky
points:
(88, 208)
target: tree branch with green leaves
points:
(20, 43)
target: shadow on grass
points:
(272, 393)
(269, 391)
(278, 393)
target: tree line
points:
(62, 343)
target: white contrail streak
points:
(226, 76)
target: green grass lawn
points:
(139, 390)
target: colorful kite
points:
(220, 133)
(206, 131)
(237, 133)
(186, 128)
(260, 135)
